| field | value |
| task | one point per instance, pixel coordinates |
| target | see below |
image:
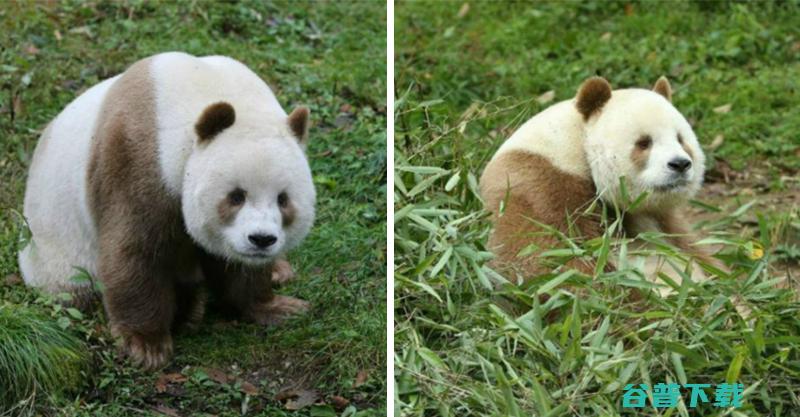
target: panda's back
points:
(556, 134)
(540, 175)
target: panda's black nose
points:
(262, 241)
(679, 164)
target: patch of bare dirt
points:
(728, 189)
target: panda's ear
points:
(662, 87)
(215, 118)
(298, 124)
(592, 96)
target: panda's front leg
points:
(282, 271)
(249, 291)
(139, 298)
(276, 310)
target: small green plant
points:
(38, 358)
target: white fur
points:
(611, 137)
(556, 133)
(264, 169)
(186, 85)
(645, 258)
(56, 208)
(600, 149)
(257, 153)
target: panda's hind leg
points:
(50, 270)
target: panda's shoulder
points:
(556, 134)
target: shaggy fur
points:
(132, 182)
(553, 168)
(531, 187)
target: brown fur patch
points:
(533, 188)
(639, 155)
(282, 271)
(593, 94)
(671, 223)
(139, 224)
(240, 288)
(288, 214)
(662, 87)
(227, 211)
(215, 118)
(298, 123)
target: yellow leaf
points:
(757, 252)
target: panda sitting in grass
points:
(612, 146)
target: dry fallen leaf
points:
(13, 279)
(297, 398)
(546, 97)
(83, 30)
(339, 403)
(605, 37)
(723, 109)
(463, 10)
(217, 375)
(628, 9)
(18, 107)
(31, 49)
(717, 142)
(163, 380)
(249, 388)
(361, 378)
(167, 411)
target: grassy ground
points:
(467, 74)
(330, 56)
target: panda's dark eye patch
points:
(644, 142)
(237, 196)
(283, 199)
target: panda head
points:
(248, 194)
(636, 136)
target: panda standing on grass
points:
(553, 168)
(178, 175)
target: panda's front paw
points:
(150, 352)
(278, 309)
(282, 272)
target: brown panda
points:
(558, 162)
(181, 169)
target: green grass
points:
(330, 56)
(468, 344)
(37, 357)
